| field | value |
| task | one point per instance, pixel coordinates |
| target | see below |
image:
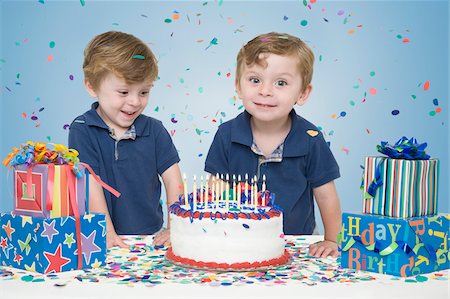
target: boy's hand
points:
(113, 239)
(162, 237)
(324, 249)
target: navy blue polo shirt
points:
(307, 162)
(132, 167)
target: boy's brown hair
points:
(119, 53)
(280, 44)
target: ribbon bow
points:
(404, 149)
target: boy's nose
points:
(133, 100)
(265, 89)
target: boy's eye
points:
(144, 93)
(123, 93)
(281, 83)
(254, 80)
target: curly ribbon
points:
(39, 153)
(404, 149)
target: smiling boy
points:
(273, 74)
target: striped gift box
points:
(406, 188)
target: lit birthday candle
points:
(217, 190)
(264, 183)
(246, 189)
(194, 194)
(234, 187)
(255, 193)
(206, 190)
(201, 189)
(185, 189)
(227, 192)
(239, 192)
(213, 190)
(221, 185)
(250, 200)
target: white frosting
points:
(227, 241)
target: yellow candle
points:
(227, 192)
(201, 189)
(239, 192)
(252, 184)
(217, 190)
(185, 189)
(206, 191)
(194, 194)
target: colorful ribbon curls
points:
(39, 153)
(404, 149)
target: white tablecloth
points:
(174, 282)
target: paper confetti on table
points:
(145, 264)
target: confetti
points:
(303, 23)
(138, 57)
(395, 112)
(71, 77)
(52, 44)
(373, 91)
(426, 86)
(435, 102)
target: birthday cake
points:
(228, 232)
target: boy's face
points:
(270, 93)
(120, 103)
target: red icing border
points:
(225, 266)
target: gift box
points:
(52, 245)
(400, 188)
(403, 184)
(50, 193)
(395, 246)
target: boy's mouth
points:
(128, 112)
(264, 105)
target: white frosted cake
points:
(227, 235)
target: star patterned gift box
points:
(51, 245)
(396, 246)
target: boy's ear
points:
(89, 88)
(238, 88)
(303, 97)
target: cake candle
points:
(201, 189)
(239, 192)
(246, 189)
(234, 187)
(194, 194)
(227, 192)
(217, 191)
(185, 189)
(206, 191)
(264, 183)
(255, 193)
(221, 186)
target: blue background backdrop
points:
(372, 58)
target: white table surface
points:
(64, 285)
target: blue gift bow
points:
(402, 149)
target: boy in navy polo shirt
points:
(127, 149)
(273, 74)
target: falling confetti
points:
(395, 112)
(213, 42)
(303, 23)
(426, 86)
(373, 91)
(52, 44)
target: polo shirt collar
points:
(295, 144)
(94, 119)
